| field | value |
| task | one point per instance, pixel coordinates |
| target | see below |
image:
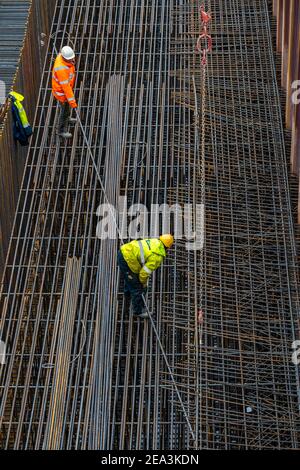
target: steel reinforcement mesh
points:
(82, 373)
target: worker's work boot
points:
(65, 135)
(144, 316)
(141, 316)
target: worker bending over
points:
(63, 80)
(137, 261)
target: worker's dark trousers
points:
(63, 119)
(133, 287)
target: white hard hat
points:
(67, 53)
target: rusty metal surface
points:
(288, 44)
(23, 75)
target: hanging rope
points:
(204, 47)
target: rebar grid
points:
(83, 374)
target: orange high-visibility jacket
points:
(63, 80)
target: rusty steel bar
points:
(288, 44)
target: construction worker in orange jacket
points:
(63, 80)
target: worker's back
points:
(132, 252)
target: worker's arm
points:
(69, 95)
(64, 81)
(153, 262)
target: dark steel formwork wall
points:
(24, 78)
(80, 372)
(13, 21)
(288, 44)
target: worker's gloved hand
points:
(145, 286)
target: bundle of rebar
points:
(81, 371)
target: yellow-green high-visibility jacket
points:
(144, 256)
(18, 98)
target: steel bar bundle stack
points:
(107, 292)
(139, 83)
(64, 331)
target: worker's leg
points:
(137, 298)
(64, 110)
(132, 285)
(125, 272)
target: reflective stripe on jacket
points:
(144, 256)
(63, 81)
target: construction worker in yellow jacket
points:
(137, 261)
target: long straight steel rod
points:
(150, 315)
